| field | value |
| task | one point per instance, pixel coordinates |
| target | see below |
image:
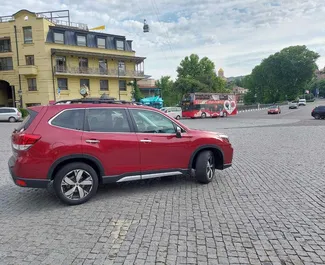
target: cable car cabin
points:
(145, 27)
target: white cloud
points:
(235, 34)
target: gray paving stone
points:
(267, 208)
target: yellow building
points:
(43, 59)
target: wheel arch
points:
(90, 160)
(217, 153)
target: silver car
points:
(10, 114)
(293, 105)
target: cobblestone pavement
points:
(267, 209)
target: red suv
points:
(76, 147)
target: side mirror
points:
(178, 132)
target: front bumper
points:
(23, 182)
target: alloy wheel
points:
(76, 184)
(210, 168)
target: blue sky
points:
(235, 34)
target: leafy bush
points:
(24, 112)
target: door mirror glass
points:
(178, 132)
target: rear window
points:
(70, 119)
(27, 121)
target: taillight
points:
(21, 142)
(19, 114)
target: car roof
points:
(93, 105)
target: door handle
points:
(92, 141)
(145, 141)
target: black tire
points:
(178, 117)
(69, 170)
(202, 173)
(12, 119)
(317, 116)
(203, 115)
(224, 115)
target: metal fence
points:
(256, 106)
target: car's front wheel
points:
(178, 117)
(205, 167)
(75, 183)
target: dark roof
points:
(99, 55)
(70, 37)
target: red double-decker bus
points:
(202, 105)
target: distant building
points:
(45, 57)
(148, 87)
(239, 90)
(221, 74)
(320, 74)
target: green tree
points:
(136, 93)
(283, 75)
(317, 84)
(198, 75)
(169, 95)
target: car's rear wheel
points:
(12, 119)
(317, 116)
(75, 183)
(205, 167)
(178, 117)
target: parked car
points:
(75, 147)
(10, 114)
(302, 102)
(293, 105)
(274, 110)
(175, 112)
(318, 112)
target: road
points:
(268, 209)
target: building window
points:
(60, 64)
(84, 82)
(120, 45)
(102, 63)
(28, 35)
(121, 68)
(59, 37)
(103, 85)
(83, 65)
(5, 45)
(32, 104)
(63, 83)
(122, 85)
(32, 86)
(29, 60)
(6, 64)
(81, 40)
(101, 43)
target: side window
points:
(70, 119)
(107, 120)
(152, 122)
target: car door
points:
(160, 149)
(2, 114)
(109, 137)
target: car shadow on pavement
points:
(15, 200)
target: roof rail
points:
(95, 101)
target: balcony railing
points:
(97, 71)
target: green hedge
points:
(24, 112)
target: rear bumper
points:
(23, 182)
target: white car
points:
(293, 105)
(10, 114)
(175, 112)
(302, 102)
